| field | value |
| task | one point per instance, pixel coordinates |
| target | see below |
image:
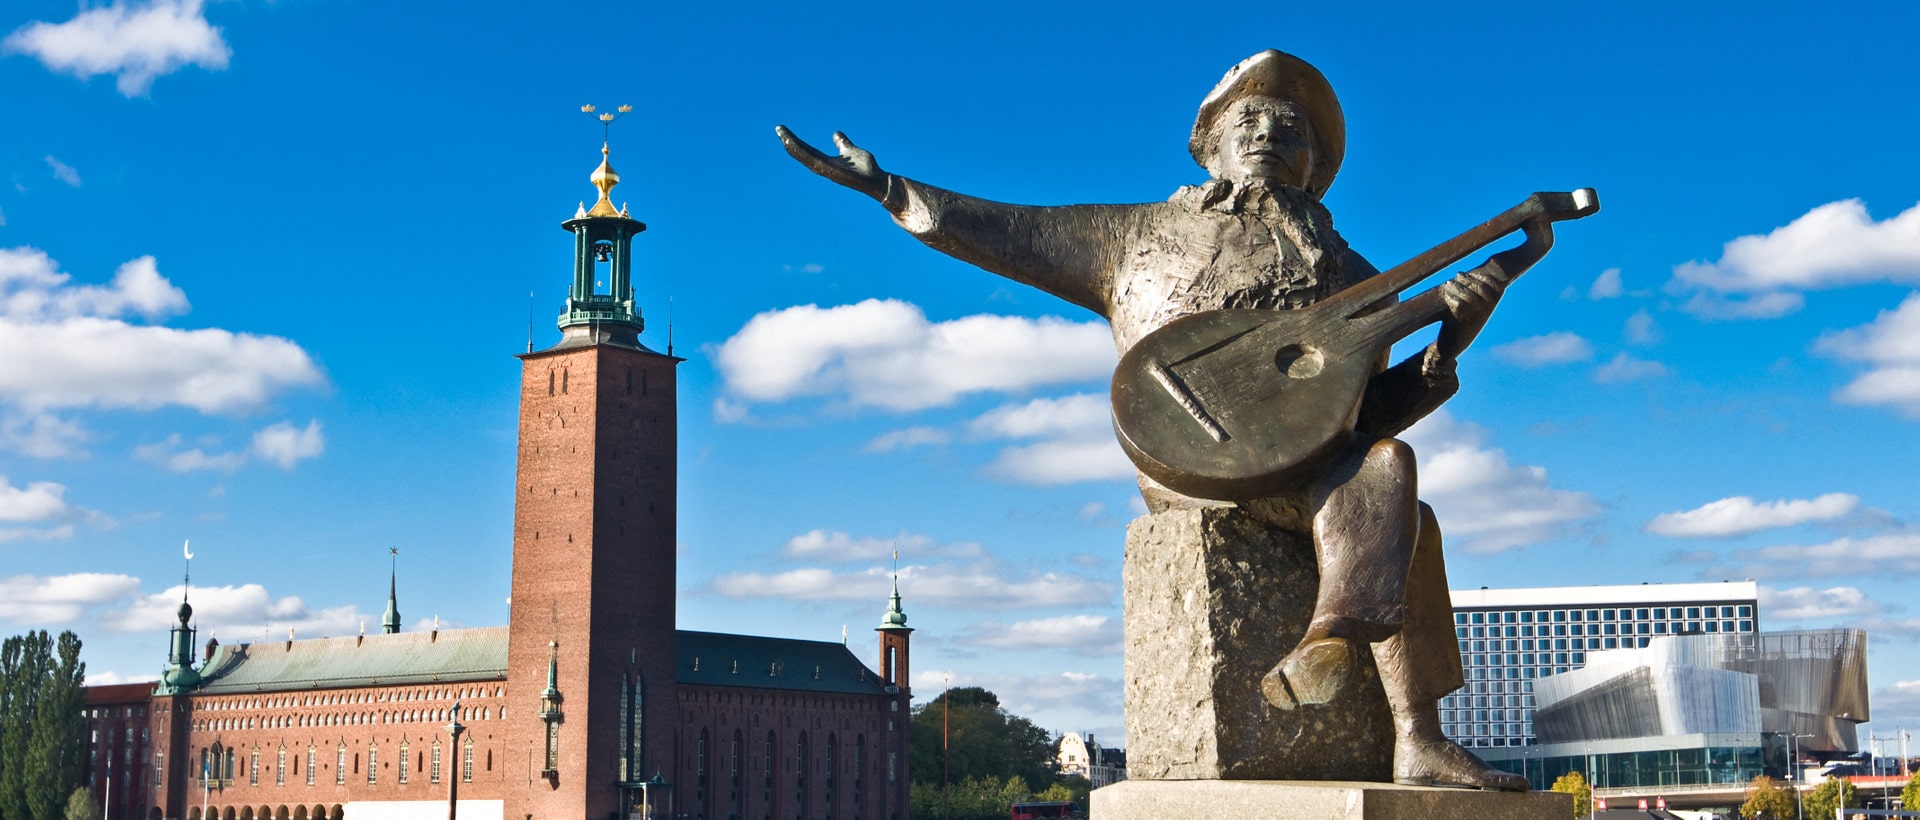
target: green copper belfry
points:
(600, 299)
(180, 675)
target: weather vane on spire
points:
(606, 119)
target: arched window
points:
(313, 757)
(280, 767)
(433, 768)
(404, 761)
(340, 766)
(827, 773)
(466, 761)
(373, 765)
(700, 774)
(802, 754)
(227, 771)
(766, 783)
(859, 769)
(733, 776)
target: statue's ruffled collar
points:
(1252, 196)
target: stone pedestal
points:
(1213, 599)
(1271, 800)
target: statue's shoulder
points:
(1195, 199)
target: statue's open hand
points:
(854, 168)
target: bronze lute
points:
(1239, 404)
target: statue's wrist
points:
(893, 195)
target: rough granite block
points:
(1213, 599)
(1271, 800)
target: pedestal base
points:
(1213, 599)
(1328, 800)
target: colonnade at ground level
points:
(282, 812)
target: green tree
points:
(1575, 783)
(42, 728)
(1833, 794)
(1766, 798)
(80, 805)
(981, 798)
(1910, 796)
(59, 729)
(1071, 787)
(982, 741)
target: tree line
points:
(42, 724)
(986, 757)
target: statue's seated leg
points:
(1420, 665)
(1365, 523)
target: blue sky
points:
(264, 265)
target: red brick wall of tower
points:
(593, 571)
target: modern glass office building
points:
(1510, 638)
(1690, 710)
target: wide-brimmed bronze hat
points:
(1278, 74)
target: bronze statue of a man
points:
(1271, 135)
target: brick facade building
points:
(588, 704)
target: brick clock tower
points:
(592, 629)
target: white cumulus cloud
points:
(885, 353)
(981, 584)
(1741, 515)
(241, 613)
(1078, 634)
(281, 444)
(63, 172)
(1890, 347)
(44, 601)
(1559, 347)
(1074, 441)
(835, 545)
(38, 512)
(1802, 603)
(1486, 503)
(1641, 329)
(1835, 245)
(1883, 555)
(41, 435)
(285, 445)
(137, 41)
(1625, 368)
(72, 346)
(1606, 285)
(905, 438)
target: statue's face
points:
(1265, 138)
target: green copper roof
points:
(454, 655)
(717, 659)
(463, 655)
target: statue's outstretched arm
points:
(1067, 251)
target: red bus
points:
(1057, 808)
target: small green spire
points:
(896, 618)
(390, 622)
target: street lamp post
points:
(946, 712)
(1793, 775)
(453, 783)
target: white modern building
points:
(1511, 638)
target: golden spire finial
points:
(604, 177)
